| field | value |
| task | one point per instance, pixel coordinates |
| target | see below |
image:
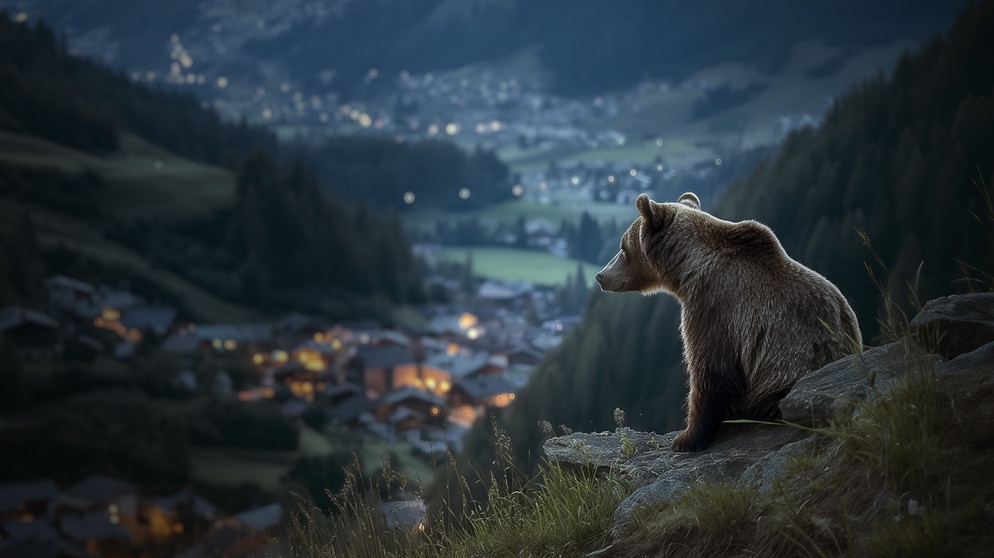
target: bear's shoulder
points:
(752, 238)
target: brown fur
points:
(752, 319)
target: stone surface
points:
(830, 393)
(658, 473)
(953, 325)
(758, 453)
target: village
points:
(419, 386)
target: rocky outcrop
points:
(960, 329)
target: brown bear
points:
(752, 319)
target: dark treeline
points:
(906, 159)
(382, 170)
(45, 92)
(283, 243)
(588, 46)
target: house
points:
(350, 411)
(27, 501)
(429, 406)
(340, 392)
(66, 293)
(179, 513)
(540, 232)
(441, 371)
(230, 337)
(116, 499)
(406, 423)
(158, 320)
(382, 368)
(523, 354)
(96, 532)
(505, 293)
(491, 390)
(246, 534)
(301, 380)
(30, 334)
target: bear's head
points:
(652, 246)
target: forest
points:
(310, 227)
(903, 161)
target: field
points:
(233, 466)
(141, 181)
(509, 264)
(134, 186)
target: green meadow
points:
(510, 264)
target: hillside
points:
(583, 47)
(109, 181)
(905, 158)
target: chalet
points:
(340, 392)
(441, 371)
(540, 232)
(483, 391)
(299, 326)
(27, 501)
(405, 423)
(157, 320)
(382, 368)
(73, 295)
(30, 334)
(301, 380)
(523, 354)
(166, 516)
(430, 407)
(96, 532)
(351, 410)
(230, 337)
(246, 534)
(116, 499)
(505, 293)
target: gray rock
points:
(954, 325)
(758, 454)
(832, 392)
(659, 474)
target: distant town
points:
(421, 386)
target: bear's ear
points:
(644, 205)
(690, 200)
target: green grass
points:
(232, 466)
(141, 181)
(56, 229)
(511, 264)
(564, 515)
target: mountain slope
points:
(905, 158)
(90, 182)
(588, 46)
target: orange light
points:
(467, 320)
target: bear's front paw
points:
(690, 441)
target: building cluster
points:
(110, 517)
(422, 386)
